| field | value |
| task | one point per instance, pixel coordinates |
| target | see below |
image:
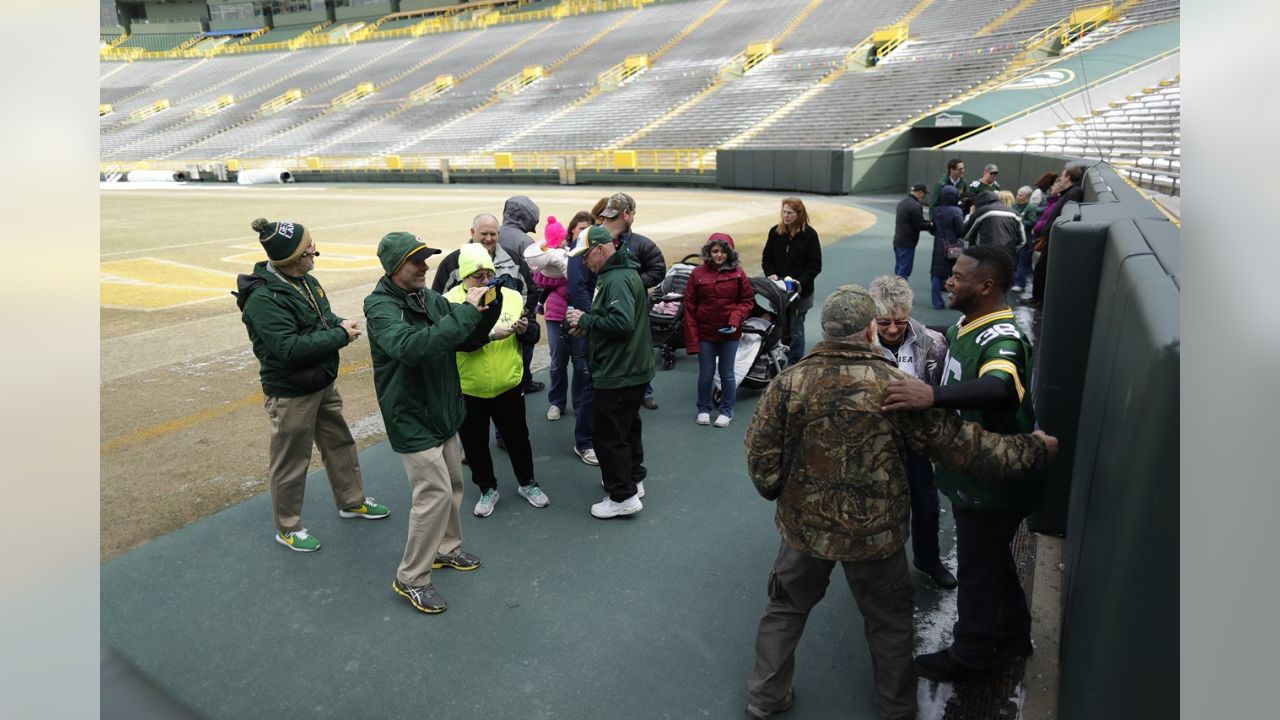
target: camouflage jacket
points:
(819, 444)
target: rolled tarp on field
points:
(264, 175)
(157, 176)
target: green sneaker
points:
(298, 540)
(368, 509)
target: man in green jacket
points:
(413, 334)
(621, 365)
(296, 338)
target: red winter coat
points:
(716, 298)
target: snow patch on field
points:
(933, 632)
(368, 427)
(233, 363)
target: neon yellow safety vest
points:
(498, 366)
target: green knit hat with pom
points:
(282, 240)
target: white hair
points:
(892, 294)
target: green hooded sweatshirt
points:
(289, 335)
(618, 324)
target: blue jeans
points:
(709, 355)
(579, 348)
(559, 346)
(795, 343)
(936, 294)
(1024, 264)
(924, 511)
(904, 259)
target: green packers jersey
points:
(991, 345)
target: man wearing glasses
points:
(413, 335)
(296, 338)
(491, 372)
(621, 365)
(921, 352)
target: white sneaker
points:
(586, 455)
(484, 507)
(704, 418)
(723, 421)
(607, 508)
(534, 494)
(553, 413)
(1016, 289)
(640, 489)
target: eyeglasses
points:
(886, 322)
(482, 275)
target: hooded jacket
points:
(948, 226)
(412, 338)
(288, 334)
(716, 297)
(653, 266)
(446, 277)
(618, 326)
(519, 218)
(994, 224)
(819, 443)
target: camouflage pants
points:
(882, 590)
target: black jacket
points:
(653, 266)
(992, 223)
(799, 257)
(908, 222)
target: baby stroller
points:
(666, 310)
(761, 353)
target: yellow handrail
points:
(1052, 100)
(676, 160)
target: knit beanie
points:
(554, 232)
(847, 312)
(473, 257)
(281, 239)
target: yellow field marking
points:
(153, 284)
(168, 428)
(339, 257)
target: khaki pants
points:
(435, 523)
(297, 423)
(882, 590)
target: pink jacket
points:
(556, 299)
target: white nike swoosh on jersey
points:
(1006, 352)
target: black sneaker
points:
(941, 576)
(761, 714)
(534, 387)
(942, 667)
(422, 597)
(458, 561)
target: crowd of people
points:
(846, 439)
(980, 212)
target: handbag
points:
(953, 250)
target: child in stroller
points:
(762, 354)
(666, 310)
